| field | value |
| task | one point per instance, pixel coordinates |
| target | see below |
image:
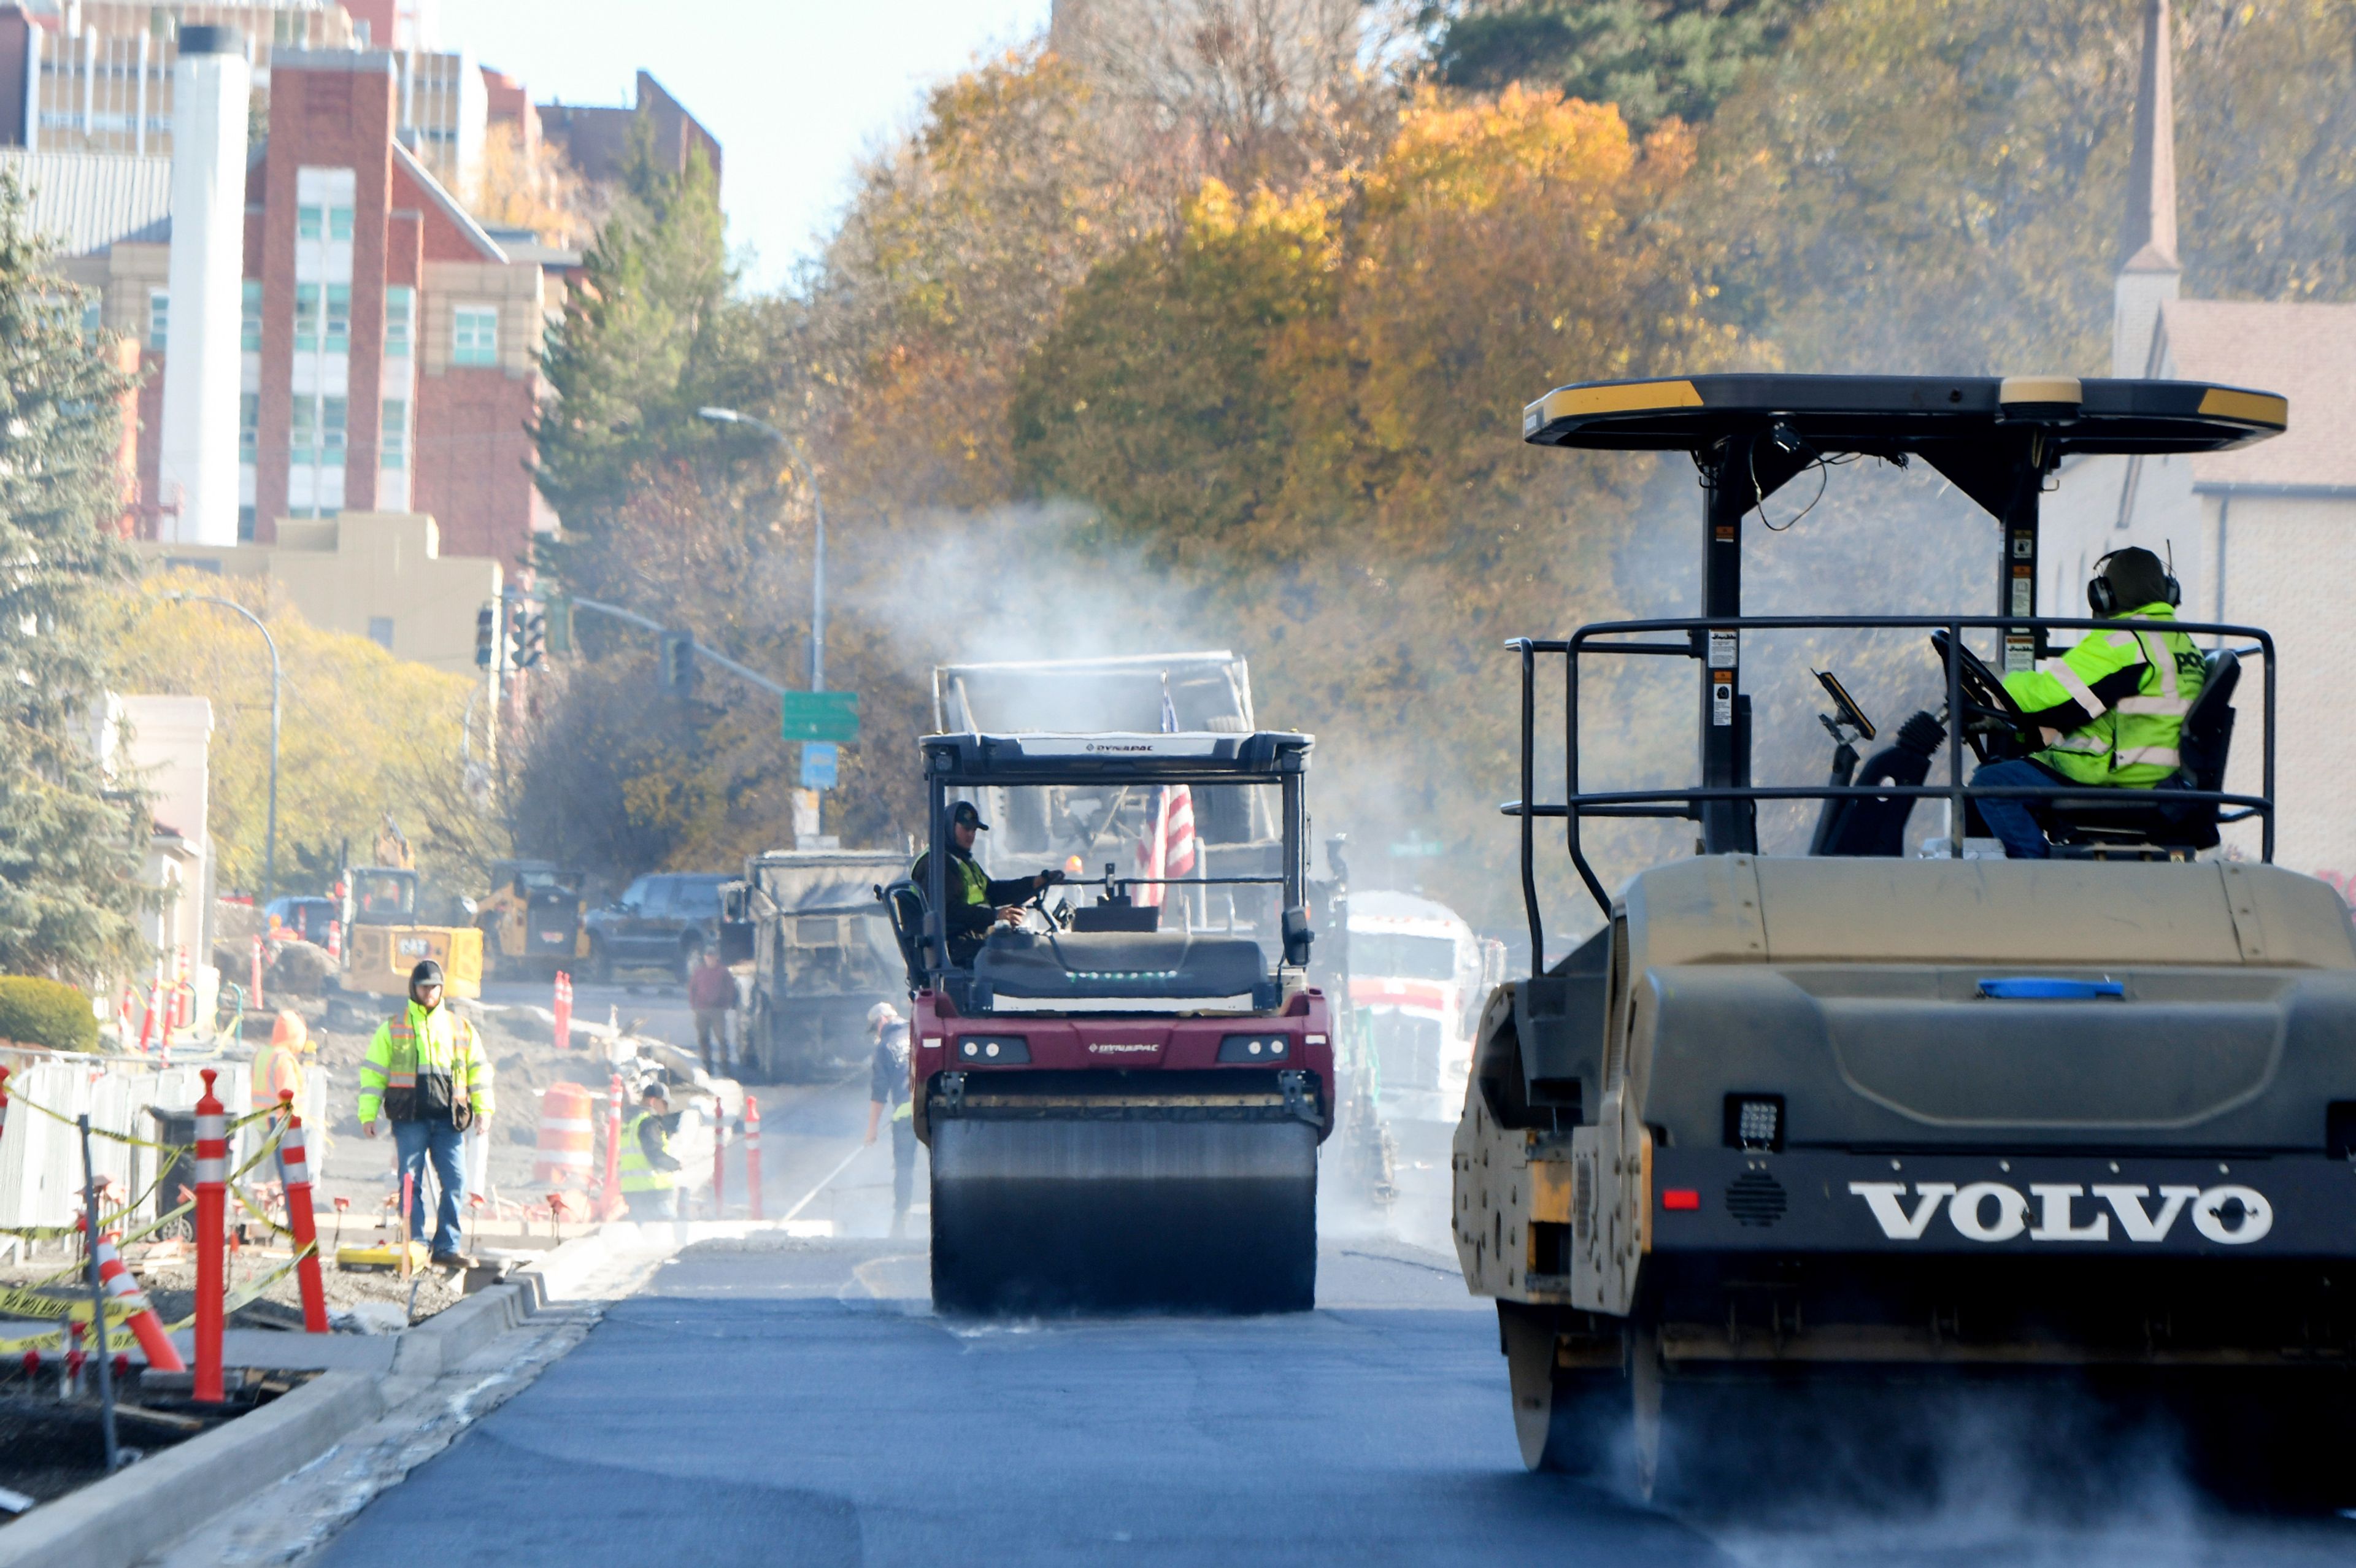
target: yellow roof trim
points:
(1571, 403)
(2250, 408)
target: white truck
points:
(1419, 973)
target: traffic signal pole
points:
(753, 677)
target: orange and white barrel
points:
(567, 1133)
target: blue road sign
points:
(819, 759)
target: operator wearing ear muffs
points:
(2109, 709)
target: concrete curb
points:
(115, 1522)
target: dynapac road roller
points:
(1123, 1093)
(1857, 1112)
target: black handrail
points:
(1673, 804)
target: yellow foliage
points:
(1469, 154)
(362, 734)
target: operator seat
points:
(906, 905)
(2152, 817)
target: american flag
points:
(1168, 848)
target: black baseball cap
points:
(963, 812)
(655, 1090)
(427, 973)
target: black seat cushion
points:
(2204, 747)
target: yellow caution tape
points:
(246, 1293)
(16, 1303)
(55, 1339)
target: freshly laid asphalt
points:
(796, 1402)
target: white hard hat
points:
(881, 1013)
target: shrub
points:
(35, 1011)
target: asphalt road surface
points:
(793, 1400)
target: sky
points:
(795, 89)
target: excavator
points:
(1894, 1105)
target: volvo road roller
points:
(1861, 1112)
(1123, 1084)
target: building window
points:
(333, 412)
(308, 301)
(475, 337)
(381, 632)
(340, 223)
(339, 318)
(249, 427)
(303, 433)
(309, 222)
(159, 317)
(245, 525)
(90, 321)
(399, 305)
(392, 449)
(249, 321)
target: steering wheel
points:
(1058, 919)
(1991, 722)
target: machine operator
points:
(2109, 709)
(976, 901)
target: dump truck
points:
(1874, 1112)
(1419, 974)
(1124, 1095)
(821, 955)
(531, 919)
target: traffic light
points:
(678, 675)
(487, 636)
(527, 635)
(559, 624)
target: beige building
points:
(379, 575)
(2264, 536)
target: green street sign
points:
(821, 716)
(1414, 849)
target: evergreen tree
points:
(70, 849)
(1652, 57)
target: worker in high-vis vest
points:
(278, 1069)
(428, 1075)
(649, 1170)
(888, 1090)
(2108, 710)
(975, 901)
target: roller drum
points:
(1046, 1215)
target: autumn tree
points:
(363, 735)
(71, 846)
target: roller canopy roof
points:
(1888, 416)
(1057, 759)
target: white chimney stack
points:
(197, 467)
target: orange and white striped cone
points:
(212, 1200)
(752, 1154)
(301, 1219)
(609, 1201)
(115, 1278)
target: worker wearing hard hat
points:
(975, 901)
(888, 1090)
(427, 1074)
(647, 1169)
(2109, 709)
(277, 1070)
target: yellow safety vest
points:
(637, 1175)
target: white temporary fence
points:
(40, 1156)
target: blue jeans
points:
(2011, 820)
(438, 1141)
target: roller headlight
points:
(991, 1051)
(1754, 1122)
(1257, 1047)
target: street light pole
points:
(800, 460)
(269, 848)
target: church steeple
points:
(2148, 270)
